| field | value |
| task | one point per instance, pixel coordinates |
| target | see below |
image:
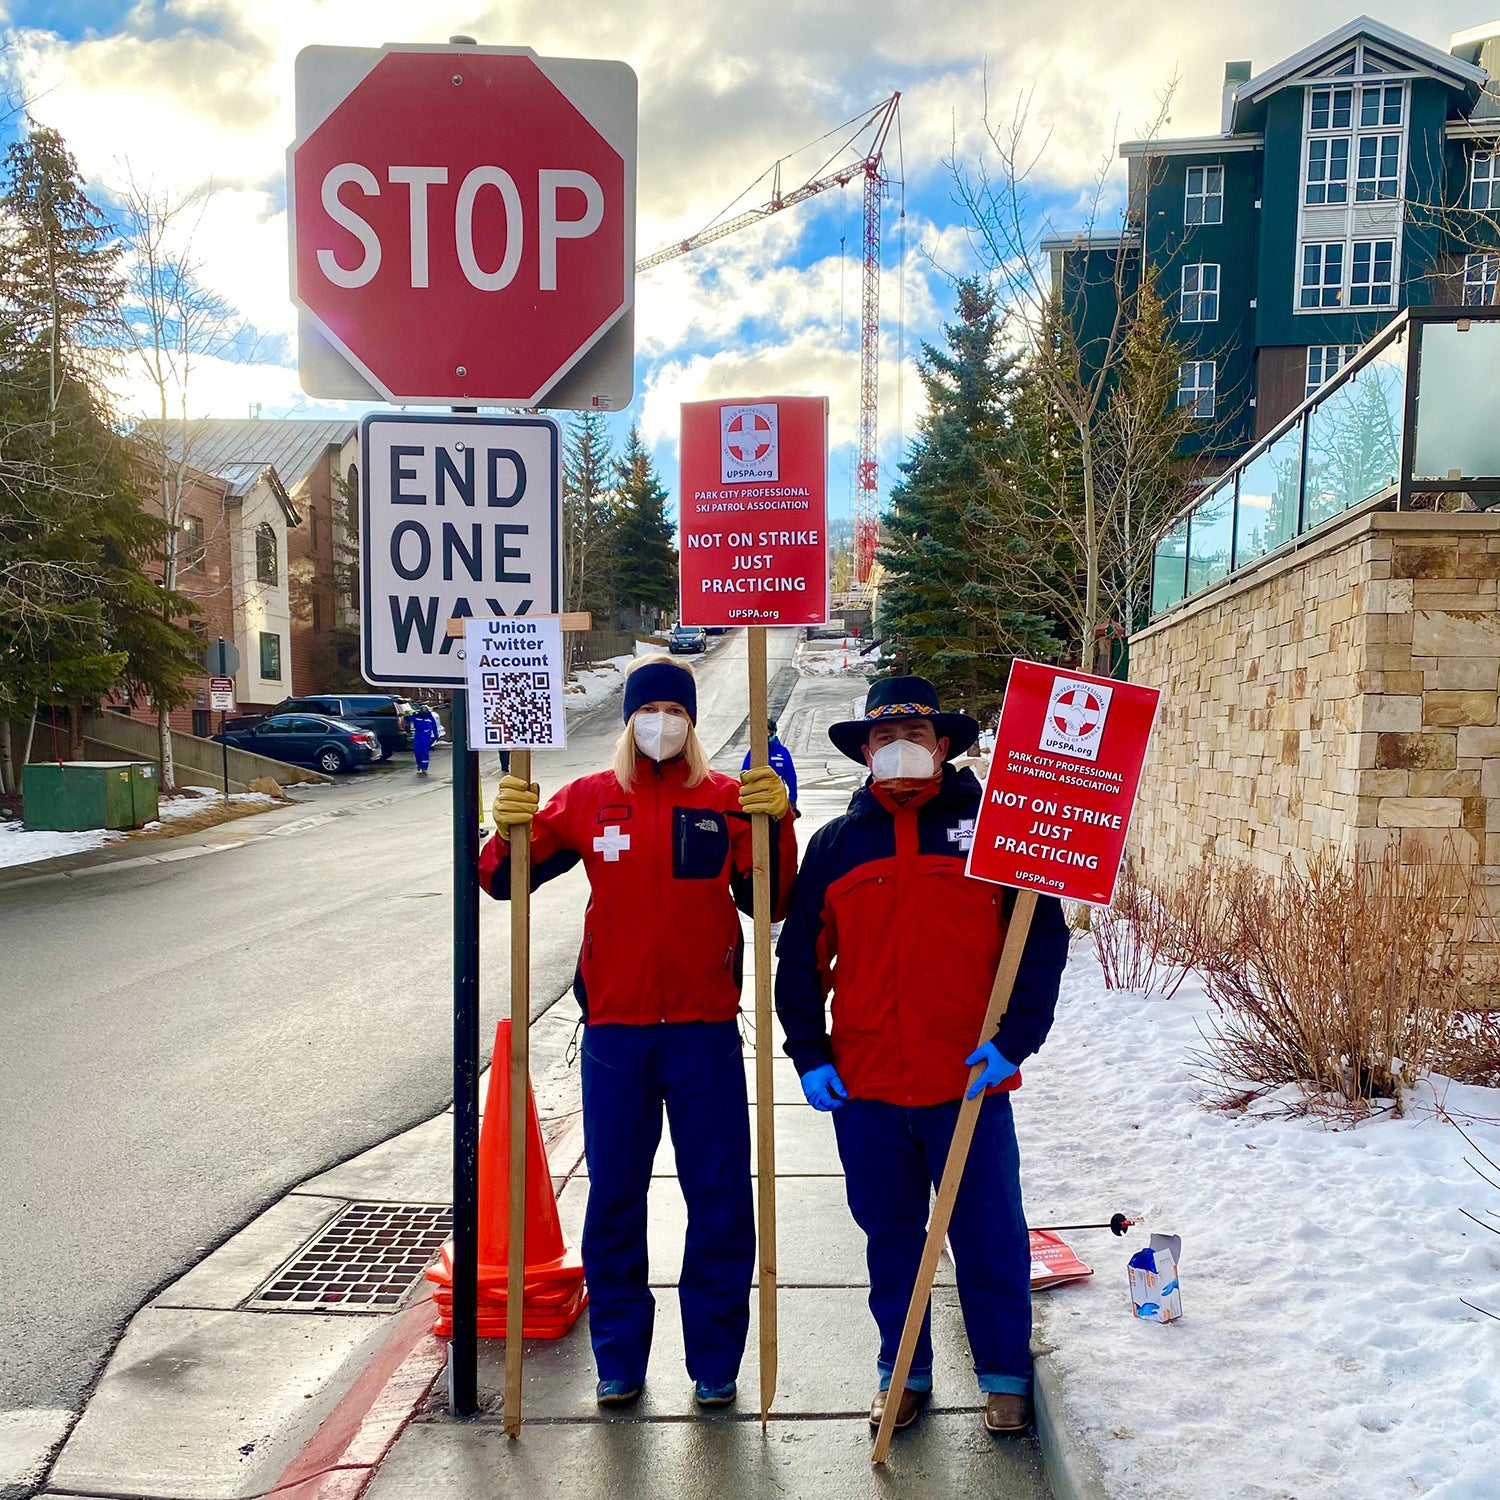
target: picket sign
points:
(1069, 752)
(520, 1058)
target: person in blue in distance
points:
(425, 733)
(781, 762)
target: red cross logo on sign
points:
(1077, 712)
(1075, 718)
(749, 437)
(749, 452)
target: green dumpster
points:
(79, 794)
(145, 788)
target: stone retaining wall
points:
(1347, 695)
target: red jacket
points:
(667, 865)
(885, 918)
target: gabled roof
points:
(291, 445)
(242, 478)
(1424, 58)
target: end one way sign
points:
(459, 517)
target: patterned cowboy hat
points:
(904, 698)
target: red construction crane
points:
(868, 133)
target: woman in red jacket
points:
(666, 845)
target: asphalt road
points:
(184, 1041)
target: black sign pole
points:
(463, 1349)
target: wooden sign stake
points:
(953, 1171)
(765, 1032)
(520, 1083)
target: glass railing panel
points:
(1266, 512)
(1354, 437)
(1169, 569)
(1210, 538)
(1458, 402)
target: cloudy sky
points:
(195, 94)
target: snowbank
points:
(588, 687)
(21, 846)
(196, 799)
(1325, 1350)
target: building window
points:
(1205, 195)
(1481, 275)
(265, 553)
(1323, 275)
(312, 527)
(1484, 181)
(1200, 294)
(1327, 170)
(190, 542)
(1195, 387)
(1370, 275)
(1380, 106)
(1332, 109)
(270, 656)
(1379, 163)
(1324, 361)
(317, 613)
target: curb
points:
(340, 1458)
(1073, 1469)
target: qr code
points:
(517, 708)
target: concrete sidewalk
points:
(819, 1438)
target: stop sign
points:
(462, 218)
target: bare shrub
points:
(1342, 982)
(1134, 937)
(1469, 1049)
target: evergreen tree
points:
(941, 615)
(76, 541)
(644, 558)
(588, 468)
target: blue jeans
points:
(893, 1157)
(694, 1068)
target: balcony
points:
(1412, 422)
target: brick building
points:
(269, 547)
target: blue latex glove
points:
(996, 1068)
(824, 1088)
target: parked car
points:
(687, 638)
(329, 745)
(383, 713)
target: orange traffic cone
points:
(554, 1292)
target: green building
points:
(1356, 178)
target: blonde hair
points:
(625, 752)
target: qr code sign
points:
(518, 708)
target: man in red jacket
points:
(885, 919)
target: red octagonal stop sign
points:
(462, 232)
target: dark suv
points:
(378, 712)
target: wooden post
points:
(953, 1171)
(765, 1030)
(520, 1082)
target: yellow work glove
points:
(763, 791)
(515, 803)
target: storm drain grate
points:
(366, 1260)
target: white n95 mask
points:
(902, 760)
(659, 736)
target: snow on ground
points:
(590, 686)
(199, 799)
(831, 659)
(1324, 1351)
(22, 846)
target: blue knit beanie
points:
(661, 682)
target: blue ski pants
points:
(893, 1157)
(695, 1069)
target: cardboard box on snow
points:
(1154, 1292)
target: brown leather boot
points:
(906, 1413)
(1006, 1412)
